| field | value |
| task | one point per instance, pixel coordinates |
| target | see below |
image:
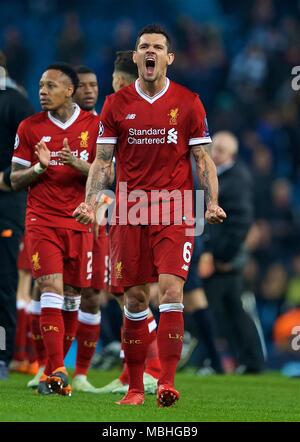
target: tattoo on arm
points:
(99, 174)
(21, 176)
(206, 171)
(50, 278)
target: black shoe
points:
(58, 382)
(43, 388)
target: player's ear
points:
(70, 90)
(171, 57)
(134, 57)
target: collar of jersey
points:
(67, 123)
(156, 96)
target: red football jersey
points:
(58, 191)
(153, 136)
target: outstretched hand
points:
(66, 155)
(43, 154)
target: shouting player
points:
(60, 248)
(125, 72)
(152, 126)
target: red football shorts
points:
(100, 260)
(23, 257)
(65, 251)
(140, 253)
(116, 290)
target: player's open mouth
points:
(150, 65)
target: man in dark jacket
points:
(14, 107)
(224, 253)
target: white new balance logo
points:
(130, 117)
(172, 136)
(84, 155)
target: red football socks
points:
(71, 325)
(87, 338)
(152, 363)
(37, 338)
(135, 342)
(53, 330)
(169, 339)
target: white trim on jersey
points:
(146, 97)
(107, 140)
(67, 123)
(21, 161)
(195, 141)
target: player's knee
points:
(136, 300)
(172, 293)
(90, 301)
(50, 287)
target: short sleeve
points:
(108, 133)
(22, 148)
(199, 133)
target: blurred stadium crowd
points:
(238, 56)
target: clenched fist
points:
(84, 213)
(215, 214)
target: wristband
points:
(39, 169)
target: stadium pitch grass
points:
(268, 397)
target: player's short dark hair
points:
(68, 71)
(124, 63)
(83, 70)
(154, 29)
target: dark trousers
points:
(224, 293)
(9, 249)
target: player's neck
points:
(152, 88)
(64, 113)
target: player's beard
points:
(88, 108)
(46, 107)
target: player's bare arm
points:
(3, 186)
(98, 180)
(21, 176)
(207, 176)
(68, 159)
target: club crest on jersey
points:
(35, 259)
(84, 138)
(173, 114)
(101, 129)
(119, 269)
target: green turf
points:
(268, 397)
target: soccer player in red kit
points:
(125, 72)
(152, 126)
(89, 315)
(60, 248)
